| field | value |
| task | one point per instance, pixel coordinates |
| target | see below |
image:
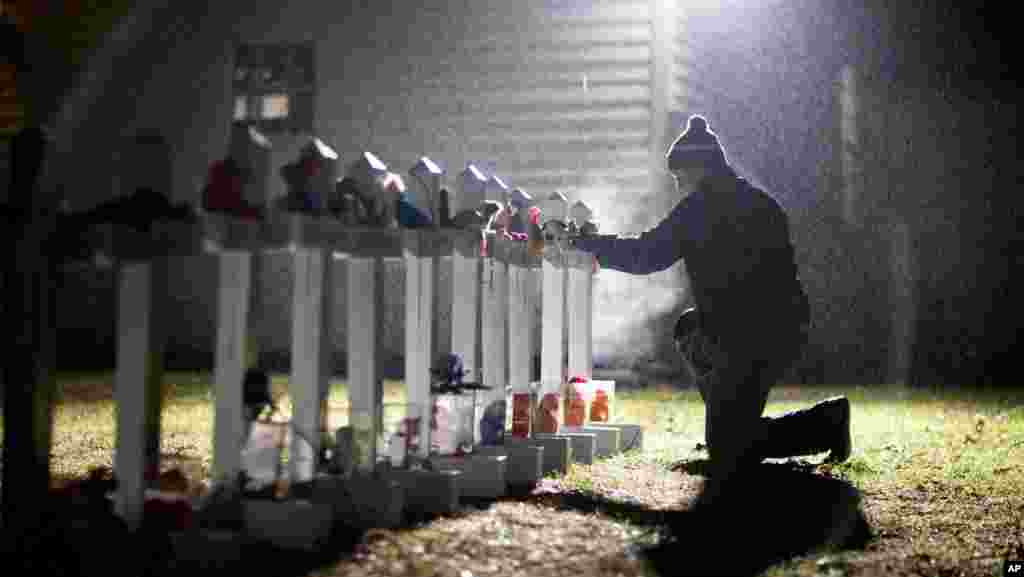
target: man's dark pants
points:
(735, 394)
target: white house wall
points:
(472, 81)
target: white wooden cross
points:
(365, 286)
(234, 286)
(494, 344)
(579, 304)
(140, 288)
(421, 272)
(466, 279)
(239, 301)
(555, 207)
(362, 305)
(142, 302)
(522, 286)
(308, 386)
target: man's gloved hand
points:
(557, 233)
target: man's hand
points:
(557, 233)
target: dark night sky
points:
(966, 52)
(963, 46)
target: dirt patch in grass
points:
(557, 529)
(507, 538)
(939, 529)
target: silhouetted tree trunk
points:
(30, 332)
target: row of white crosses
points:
(503, 280)
(508, 297)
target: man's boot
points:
(823, 427)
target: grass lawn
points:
(941, 475)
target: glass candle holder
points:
(520, 399)
(577, 402)
(451, 426)
(602, 401)
(386, 436)
(548, 414)
(263, 453)
(492, 423)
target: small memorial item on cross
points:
(310, 178)
(554, 208)
(237, 185)
(347, 203)
(368, 173)
(422, 202)
(583, 219)
(519, 203)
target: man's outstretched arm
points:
(651, 251)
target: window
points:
(274, 86)
(275, 106)
(241, 108)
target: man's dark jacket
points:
(734, 240)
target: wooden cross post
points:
(311, 349)
(494, 315)
(422, 265)
(363, 312)
(554, 208)
(253, 151)
(579, 301)
(142, 302)
(466, 293)
(137, 382)
(234, 287)
(522, 278)
(521, 308)
(364, 306)
(494, 309)
(419, 298)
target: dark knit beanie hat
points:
(697, 145)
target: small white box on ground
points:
(288, 524)
(632, 436)
(362, 501)
(584, 446)
(525, 465)
(483, 474)
(261, 455)
(432, 492)
(608, 438)
(557, 452)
